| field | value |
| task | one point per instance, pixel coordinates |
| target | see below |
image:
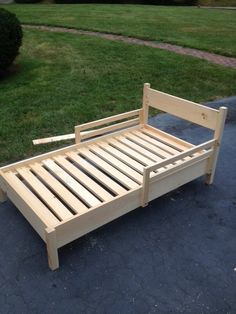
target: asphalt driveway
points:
(178, 255)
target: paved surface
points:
(221, 8)
(211, 57)
(178, 255)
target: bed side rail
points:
(199, 152)
(136, 116)
(81, 134)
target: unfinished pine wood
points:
(112, 171)
(175, 167)
(63, 150)
(73, 202)
(97, 174)
(157, 143)
(131, 162)
(29, 205)
(167, 138)
(110, 128)
(116, 163)
(138, 148)
(154, 149)
(85, 135)
(44, 193)
(69, 192)
(108, 211)
(145, 111)
(52, 139)
(182, 108)
(190, 152)
(218, 137)
(180, 178)
(131, 152)
(114, 118)
(51, 241)
(71, 183)
(91, 185)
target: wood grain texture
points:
(69, 192)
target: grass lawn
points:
(211, 30)
(63, 80)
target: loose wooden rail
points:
(120, 164)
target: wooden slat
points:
(73, 202)
(182, 108)
(38, 158)
(91, 185)
(138, 148)
(131, 162)
(148, 146)
(167, 138)
(31, 202)
(131, 152)
(116, 163)
(113, 172)
(157, 143)
(75, 186)
(44, 193)
(97, 174)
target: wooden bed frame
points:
(110, 170)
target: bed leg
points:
(51, 243)
(3, 196)
(217, 136)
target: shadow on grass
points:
(9, 72)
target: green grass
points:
(63, 80)
(211, 30)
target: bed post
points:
(51, 243)
(77, 134)
(144, 117)
(217, 136)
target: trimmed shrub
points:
(10, 38)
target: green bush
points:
(10, 38)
